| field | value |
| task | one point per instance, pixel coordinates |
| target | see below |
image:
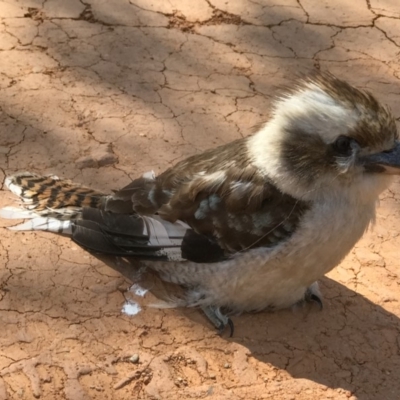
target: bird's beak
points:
(387, 162)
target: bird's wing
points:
(211, 227)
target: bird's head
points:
(326, 135)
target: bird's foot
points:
(313, 295)
(219, 320)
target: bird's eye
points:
(342, 146)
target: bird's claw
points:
(222, 327)
(219, 320)
(318, 300)
(313, 294)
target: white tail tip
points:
(16, 213)
(44, 224)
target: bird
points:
(248, 226)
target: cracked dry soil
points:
(102, 90)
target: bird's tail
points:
(48, 202)
(61, 206)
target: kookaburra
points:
(247, 226)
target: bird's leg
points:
(219, 320)
(313, 294)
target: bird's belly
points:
(278, 278)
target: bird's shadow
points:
(352, 344)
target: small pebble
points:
(227, 365)
(212, 376)
(134, 359)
